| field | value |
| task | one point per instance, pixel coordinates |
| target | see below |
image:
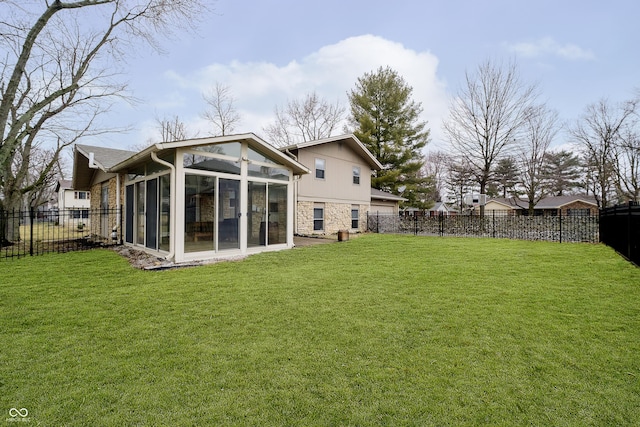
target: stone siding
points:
(337, 216)
(102, 227)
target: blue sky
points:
(269, 52)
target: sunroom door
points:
(228, 214)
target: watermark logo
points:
(18, 415)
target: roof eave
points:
(355, 144)
(298, 168)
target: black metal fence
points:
(620, 229)
(495, 224)
(35, 232)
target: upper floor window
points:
(81, 195)
(356, 175)
(320, 167)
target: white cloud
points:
(547, 46)
(331, 71)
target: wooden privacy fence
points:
(495, 224)
(34, 232)
(620, 229)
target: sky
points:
(269, 52)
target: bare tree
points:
(541, 127)
(598, 133)
(221, 112)
(41, 157)
(487, 117)
(58, 73)
(305, 120)
(627, 164)
(172, 129)
(436, 166)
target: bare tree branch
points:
(487, 116)
(305, 120)
(58, 73)
(541, 127)
(222, 112)
(598, 133)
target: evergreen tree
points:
(460, 181)
(562, 171)
(505, 178)
(386, 120)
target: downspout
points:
(118, 213)
(172, 219)
(296, 179)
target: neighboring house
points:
(337, 194)
(72, 205)
(195, 199)
(503, 205)
(441, 208)
(385, 203)
(578, 205)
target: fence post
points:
(560, 224)
(493, 223)
(629, 229)
(31, 217)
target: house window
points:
(80, 195)
(320, 164)
(355, 216)
(578, 212)
(318, 218)
(356, 175)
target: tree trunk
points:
(11, 217)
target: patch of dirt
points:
(146, 261)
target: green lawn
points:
(379, 330)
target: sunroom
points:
(209, 198)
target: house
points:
(92, 173)
(337, 194)
(577, 205)
(574, 205)
(195, 199)
(72, 206)
(385, 203)
(441, 208)
(508, 206)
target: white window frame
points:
(356, 175)
(321, 219)
(319, 161)
(356, 209)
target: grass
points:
(49, 232)
(379, 330)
